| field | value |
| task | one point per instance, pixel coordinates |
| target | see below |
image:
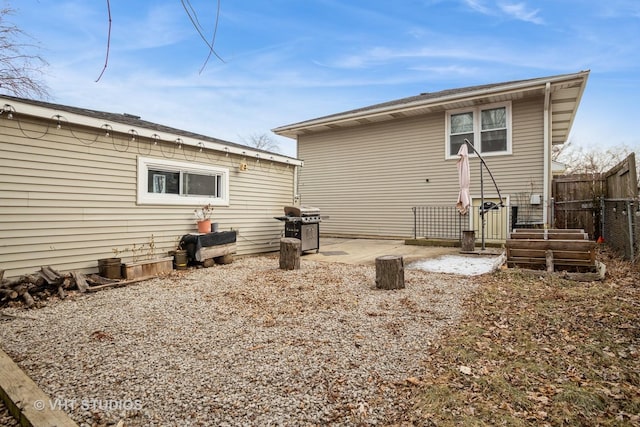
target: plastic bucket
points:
(180, 259)
(111, 268)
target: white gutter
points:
(48, 113)
(547, 155)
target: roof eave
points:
(578, 100)
(293, 130)
(48, 113)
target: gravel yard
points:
(238, 344)
(6, 419)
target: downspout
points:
(297, 198)
(296, 195)
(547, 156)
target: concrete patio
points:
(365, 251)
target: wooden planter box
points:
(147, 268)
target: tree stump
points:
(290, 249)
(549, 260)
(389, 272)
(468, 240)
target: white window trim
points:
(146, 198)
(476, 128)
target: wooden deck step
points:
(550, 235)
(569, 249)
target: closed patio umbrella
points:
(464, 179)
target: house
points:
(372, 170)
(78, 185)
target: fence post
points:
(603, 209)
(459, 228)
(630, 222)
(415, 224)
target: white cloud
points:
(448, 70)
(619, 9)
(460, 50)
(159, 26)
(521, 12)
(478, 6)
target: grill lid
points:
(301, 211)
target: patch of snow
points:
(467, 265)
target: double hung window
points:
(488, 128)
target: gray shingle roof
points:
(126, 119)
(423, 99)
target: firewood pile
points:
(30, 289)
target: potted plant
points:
(203, 218)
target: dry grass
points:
(535, 350)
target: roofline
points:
(585, 75)
(29, 107)
(289, 130)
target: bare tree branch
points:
(20, 71)
(213, 40)
(193, 17)
(262, 142)
(106, 59)
(186, 4)
(589, 161)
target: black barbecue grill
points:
(302, 223)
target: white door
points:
(496, 221)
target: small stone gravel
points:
(238, 344)
(6, 419)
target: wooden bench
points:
(553, 249)
(210, 248)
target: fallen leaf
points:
(413, 380)
(538, 397)
(256, 347)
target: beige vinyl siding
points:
(524, 176)
(66, 201)
(368, 178)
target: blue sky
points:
(291, 60)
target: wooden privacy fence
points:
(576, 203)
(605, 205)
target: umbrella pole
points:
(481, 211)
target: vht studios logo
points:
(89, 404)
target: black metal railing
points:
(445, 222)
(438, 222)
